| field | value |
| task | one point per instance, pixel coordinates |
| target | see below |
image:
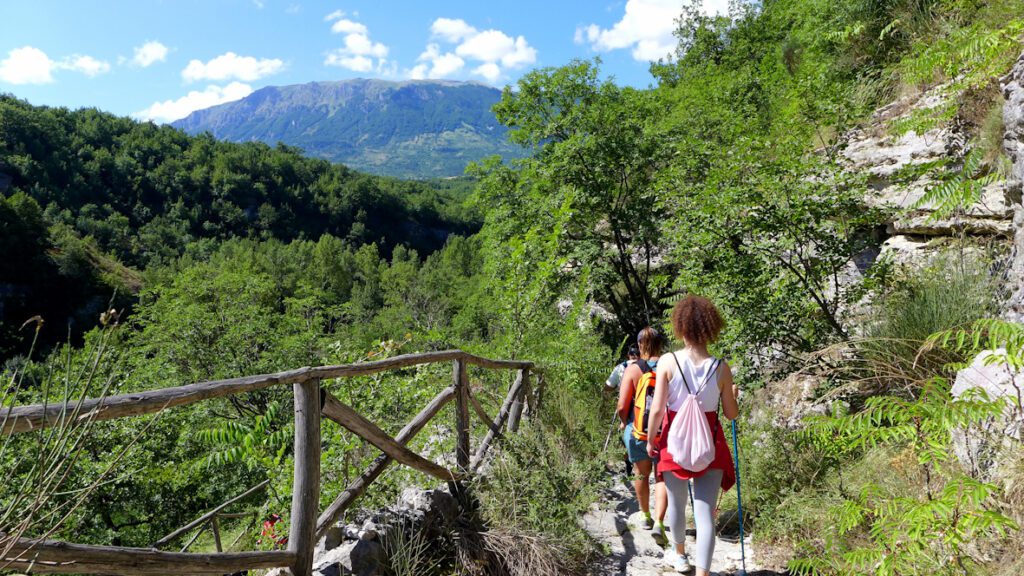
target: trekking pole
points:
(611, 430)
(739, 500)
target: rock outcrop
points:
(1013, 145)
(978, 449)
(361, 547)
(901, 169)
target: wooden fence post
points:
(516, 410)
(306, 485)
(461, 378)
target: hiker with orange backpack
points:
(635, 395)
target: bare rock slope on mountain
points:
(412, 129)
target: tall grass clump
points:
(541, 482)
(950, 293)
(44, 486)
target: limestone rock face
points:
(900, 171)
(1013, 144)
(978, 449)
(788, 402)
(357, 548)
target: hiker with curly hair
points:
(693, 371)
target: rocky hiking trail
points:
(616, 523)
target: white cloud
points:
(490, 71)
(149, 53)
(85, 64)
(434, 64)
(170, 110)
(26, 65)
(29, 65)
(294, 9)
(359, 50)
(231, 66)
(355, 63)
(493, 50)
(362, 45)
(646, 27)
(452, 30)
(346, 26)
(486, 46)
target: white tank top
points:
(696, 374)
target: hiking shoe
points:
(658, 533)
(679, 562)
(648, 522)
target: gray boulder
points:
(978, 448)
(1013, 145)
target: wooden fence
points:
(312, 403)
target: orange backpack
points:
(643, 396)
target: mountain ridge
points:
(411, 128)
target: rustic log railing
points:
(211, 518)
(312, 404)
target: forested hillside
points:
(412, 129)
(93, 200)
(731, 177)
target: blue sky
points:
(161, 59)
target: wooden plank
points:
(208, 515)
(461, 378)
(36, 416)
(306, 484)
(359, 485)
(215, 524)
(480, 413)
(33, 417)
(499, 420)
(193, 539)
(405, 360)
(48, 556)
(343, 414)
(516, 410)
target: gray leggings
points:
(705, 495)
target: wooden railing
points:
(312, 403)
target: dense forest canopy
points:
(93, 199)
(724, 179)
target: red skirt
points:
(722, 461)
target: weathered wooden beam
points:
(343, 414)
(405, 360)
(208, 515)
(215, 524)
(52, 557)
(516, 410)
(461, 382)
(359, 485)
(32, 417)
(36, 416)
(306, 484)
(506, 407)
(484, 418)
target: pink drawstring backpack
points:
(690, 441)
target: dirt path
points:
(617, 524)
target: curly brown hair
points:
(696, 319)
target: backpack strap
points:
(644, 366)
(707, 378)
(682, 374)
